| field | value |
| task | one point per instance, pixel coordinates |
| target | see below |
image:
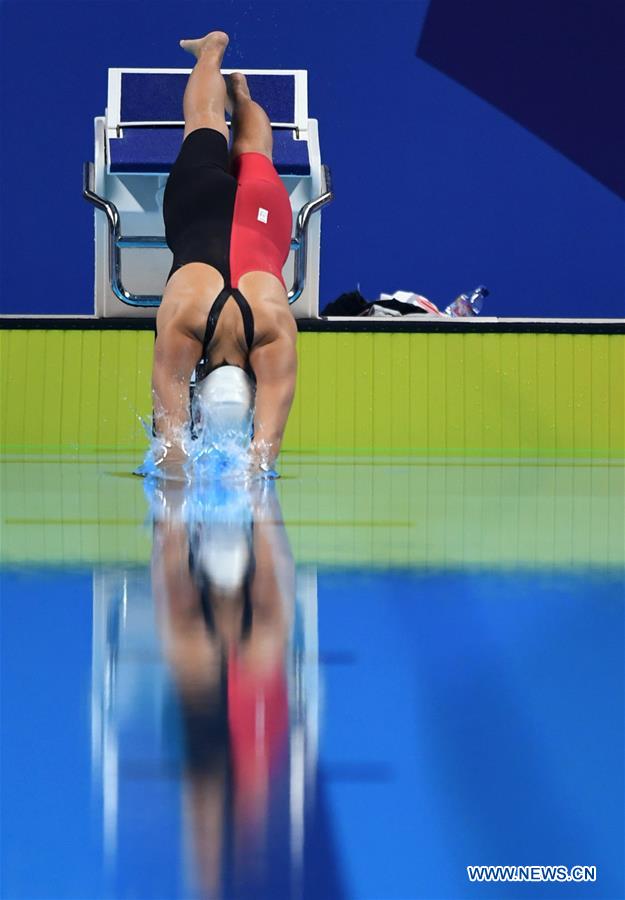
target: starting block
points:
(136, 144)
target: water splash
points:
(211, 456)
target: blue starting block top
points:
(145, 115)
(157, 97)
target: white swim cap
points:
(224, 401)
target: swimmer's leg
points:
(205, 96)
(251, 127)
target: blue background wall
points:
(466, 145)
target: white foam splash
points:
(210, 457)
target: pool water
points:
(353, 682)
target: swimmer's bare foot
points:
(213, 41)
(237, 87)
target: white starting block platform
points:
(136, 144)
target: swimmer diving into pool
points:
(228, 224)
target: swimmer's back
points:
(192, 291)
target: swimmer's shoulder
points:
(273, 320)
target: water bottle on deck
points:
(468, 304)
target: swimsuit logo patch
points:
(262, 214)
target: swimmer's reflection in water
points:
(223, 581)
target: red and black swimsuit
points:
(237, 221)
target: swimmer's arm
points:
(176, 354)
(275, 366)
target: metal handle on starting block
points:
(300, 242)
(117, 241)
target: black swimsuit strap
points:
(213, 316)
(216, 309)
(246, 315)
